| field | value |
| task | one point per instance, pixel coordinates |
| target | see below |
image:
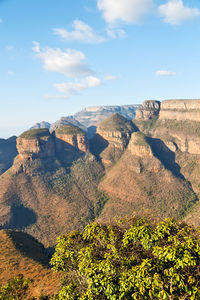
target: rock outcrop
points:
(149, 110)
(139, 146)
(35, 143)
(68, 136)
(115, 133)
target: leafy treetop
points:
(133, 260)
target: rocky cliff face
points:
(139, 146)
(71, 136)
(115, 133)
(36, 143)
(180, 110)
(149, 110)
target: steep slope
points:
(111, 139)
(44, 195)
(139, 183)
(177, 131)
(8, 152)
(21, 254)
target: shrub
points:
(134, 260)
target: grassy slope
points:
(55, 202)
(155, 190)
(21, 254)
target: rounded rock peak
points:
(117, 122)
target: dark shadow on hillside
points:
(91, 131)
(135, 127)
(8, 152)
(165, 155)
(66, 152)
(29, 247)
(21, 217)
(97, 144)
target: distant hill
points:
(70, 120)
(88, 118)
(42, 124)
(92, 116)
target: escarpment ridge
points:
(60, 181)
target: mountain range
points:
(58, 180)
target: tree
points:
(132, 260)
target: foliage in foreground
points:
(133, 260)
(15, 289)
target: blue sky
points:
(59, 56)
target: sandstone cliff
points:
(113, 134)
(180, 110)
(149, 110)
(35, 143)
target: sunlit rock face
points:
(149, 110)
(139, 146)
(36, 143)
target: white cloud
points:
(82, 33)
(165, 73)
(92, 81)
(1, 20)
(174, 12)
(115, 33)
(128, 11)
(69, 62)
(74, 87)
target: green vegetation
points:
(69, 129)
(15, 289)
(117, 122)
(187, 127)
(35, 134)
(146, 125)
(135, 259)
